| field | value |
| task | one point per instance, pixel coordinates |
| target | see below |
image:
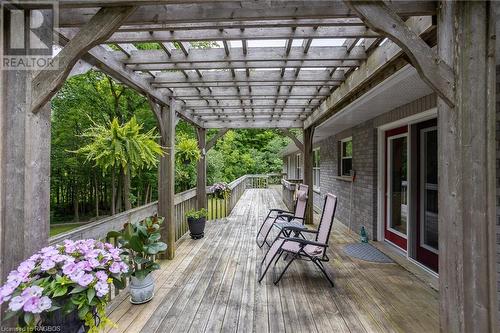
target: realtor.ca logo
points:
(27, 34)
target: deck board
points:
(211, 286)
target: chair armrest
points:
(289, 217)
(299, 229)
(303, 242)
(279, 211)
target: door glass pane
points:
(398, 184)
(430, 223)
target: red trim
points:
(424, 256)
(391, 236)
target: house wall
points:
(364, 188)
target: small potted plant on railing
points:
(64, 287)
(220, 190)
(196, 221)
(141, 242)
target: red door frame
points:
(424, 256)
(391, 236)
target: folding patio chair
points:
(301, 248)
(281, 218)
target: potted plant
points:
(141, 242)
(187, 151)
(220, 190)
(196, 221)
(64, 286)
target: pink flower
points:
(76, 276)
(69, 268)
(101, 276)
(115, 268)
(102, 288)
(16, 303)
(26, 267)
(85, 280)
(47, 264)
(37, 304)
(123, 267)
(32, 291)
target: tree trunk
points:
(126, 189)
(113, 192)
(96, 198)
(147, 194)
(75, 205)
(119, 192)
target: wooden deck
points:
(211, 286)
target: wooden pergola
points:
(298, 84)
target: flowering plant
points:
(73, 276)
(220, 190)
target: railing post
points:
(308, 171)
(201, 177)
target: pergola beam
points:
(215, 138)
(381, 58)
(434, 71)
(238, 34)
(258, 54)
(294, 138)
(241, 10)
(234, 65)
(47, 82)
(254, 124)
(255, 76)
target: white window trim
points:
(318, 168)
(342, 155)
(298, 166)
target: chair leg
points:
(319, 264)
(284, 270)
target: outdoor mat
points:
(367, 252)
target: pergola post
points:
(166, 175)
(24, 171)
(466, 164)
(201, 167)
(308, 171)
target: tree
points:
(121, 147)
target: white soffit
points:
(399, 89)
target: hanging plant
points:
(187, 151)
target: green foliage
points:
(186, 150)
(142, 243)
(197, 214)
(122, 146)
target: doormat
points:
(367, 252)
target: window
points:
(316, 168)
(298, 167)
(345, 157)
(288, 167)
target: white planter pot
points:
(141, 291)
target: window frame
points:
(316, 168)
(298, 166)
(342, 157)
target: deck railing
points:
(288, 191)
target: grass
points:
(59, 229)
(214, 206)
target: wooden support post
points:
(292, 136)
(24, 171)
(466, 164)
(47, 82)
(308, 171)
(215, 138)
(201, 177)
(166, 177)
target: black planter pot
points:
(58, 321)
(196, 227)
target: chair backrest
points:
(301, 202)
(326, 222)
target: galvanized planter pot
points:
(141, 291)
